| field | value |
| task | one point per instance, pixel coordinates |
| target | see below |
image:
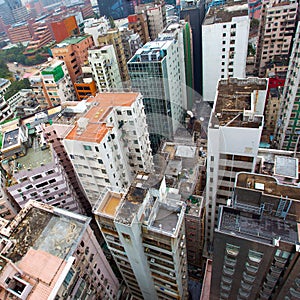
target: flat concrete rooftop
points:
(268, 185)
(225, 13)
(264, 229)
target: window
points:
(100, 161)
(129, 112)
(87, 147)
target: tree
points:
(16, 86)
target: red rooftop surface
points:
(101, 105)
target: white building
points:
(157, 71)
(4, 85)
(234, 134)
(225, 32)
(105, 68)
(110, 142)
(96, 27)
(288, 125)
(5, 110)
(57, 83)
(145, 231)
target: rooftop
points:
(267, 185)
(92, 126)
(108, 203)
(3, 81)
(234, 97)
(250, 226)
(47, 229)
(131, 204)
(225, 13)
(70, 41)
(152, 51)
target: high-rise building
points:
(182, 32)
(57, 83)
(194, 13)
(276, 30)
(105, 68)
(74, 52)
(234, 134)
(225, 32)
(157, 70)
(156, 17)
(138, 23)
(5, 110)
(288, 124)
(96, 27)
(113, 37)
(145, 231)
(32, 168)
(116, 9)
(109, 142)
(258, 241)
(6, 10)
(131, 42)
(20, 32)
(50, 253)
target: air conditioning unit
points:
(152, 260)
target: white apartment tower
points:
(105, 69)
(145, 231)
(157, 71)
(109, 143)
(57, 83)
(288, 124)
(225, 32)
(234, 133)
(276, 30)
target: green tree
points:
(16, 86)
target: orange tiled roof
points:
(101, 106)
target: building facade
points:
(113, 37)
(74, 52)
(109, 143)
(33, 170)
(253, 261)
(225, 32)
(288, 123)
(277, 26)
(57, 83)
(157, 71)
(234, 134)
(144, 230)
(105, 68)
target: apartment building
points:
(96, 27)
(32, 168)
(234, 134)
(258, 241)
(4, 85)
(109, 142)
(277, 26)
(156, 17)
(225, 32)
(50, 253)
(74, 52)
(131, 42)
(138, 23)
(113, 37)
(271, 113)
(6, 112)
(181, 31)
(105, 68)
(20, 32)
(157, 71)
(57, 83)
(288, 123)
(145, 232)
(39, 90)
